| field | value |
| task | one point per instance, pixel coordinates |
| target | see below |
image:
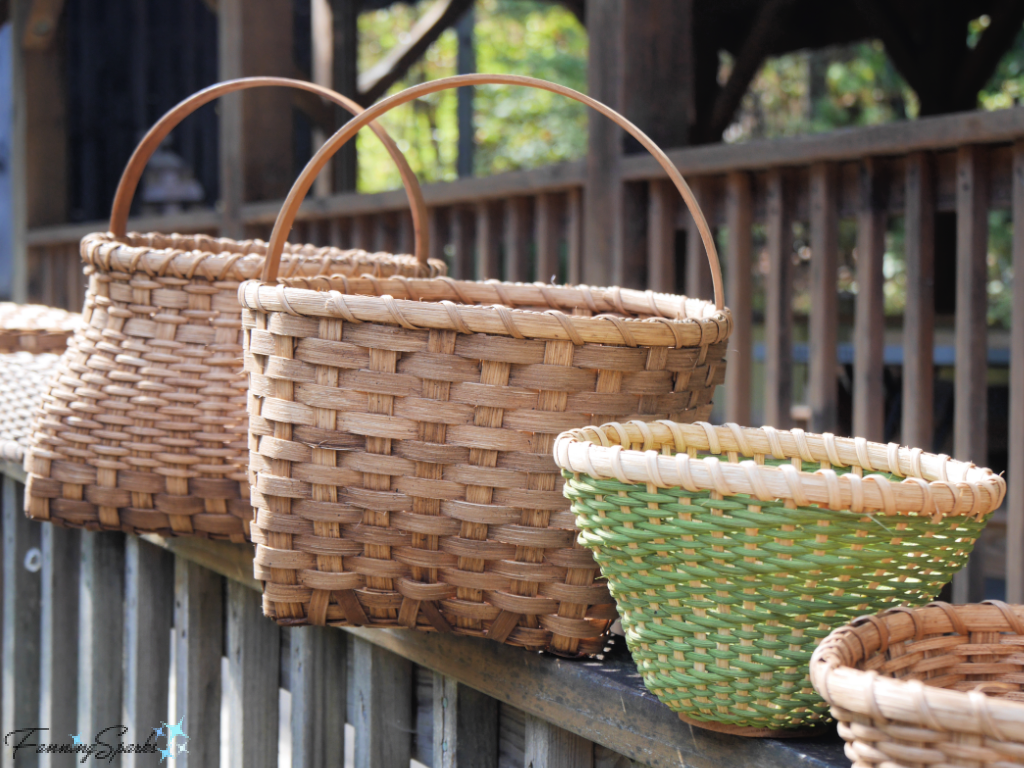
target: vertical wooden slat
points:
(517, 239)
(21, 592)
(406, 234)
(661, 236)
(383, 706)
(698, 270)
(318, 672)
(574, 234)
(437, 221)
(58, 637)
(229, 110)
(1015, 466)
(148, 614)
(462, 239)
(254, 646)
(778, 325)
(547, 235)
(465, 726)
(362, 233)
(488, 234)
(386, 235)
(198, 640)
(100, 622)
(824, 318)
(869, 321)
(919, 318)
(738, 220)
(970, 415)
(549, 745)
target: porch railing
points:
(848, 185)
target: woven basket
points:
(23, 379)
(143, 429)
(35, 328)
(401, 433)
(731, 552)
(935, 686)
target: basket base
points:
(749, 731)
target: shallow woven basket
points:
(731, 552)
(35, 328)
(935, 686)
(401, 434)
(143, 429)
(23, 379)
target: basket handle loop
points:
(137, 163)
(283, 225)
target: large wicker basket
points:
(401, 433)
(731, 552)
(143, 428)
(35, 328)
(935, 686)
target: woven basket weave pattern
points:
(23, 379)
(35, 328)
(402, 469)
(725, 594)
(144, 427)
(942, 685)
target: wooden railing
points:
(103, 629)
(528, 225)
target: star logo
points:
(164, 754)
(77, 739)
(159, 732)
(182, 748)
(173, 731)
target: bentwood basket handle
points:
(137, 163)
(286, 217)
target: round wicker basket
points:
(935, 686)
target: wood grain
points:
(824, 318)
(1015, 468)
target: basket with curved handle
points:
(286, 217)
(144, 151)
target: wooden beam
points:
(574, 235)
(661, 236)
(463, 224)
(230, 66)
(465, 726)
(488, 241)
(518, 231)
(548, 219)
(344, 63)
(869, 320)
(1015, 466)
(824, 317)
(374, 82)
(970, 410)
(382, 688)
(58, 636)
(778, 321)
(919, 316)
(738, 221)
(318, 680)
(697, 281)
(549, 745)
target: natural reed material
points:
(23, 379)
(144, 428)
(401, 433)
(935, 686)
(35, 328)
(731, 552)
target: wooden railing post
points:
(698, 270)
(518, 231)
(58, 637)
(318, 674)
(548, 746)
(21, 592)
(547, 235)
(1015, 468)
(254, 645)
(970, 414)
(383, 706)
(148, 613)
(463, 240)
(488, 238)
(738, 221)
(869, 323)
(465, 726)
(778, 322)
(661, 236)
(824, 318)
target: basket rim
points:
(934, 485)
(224, 259)
(23, 319)
(493, 307)
(839, 682)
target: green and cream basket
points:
(731, 552)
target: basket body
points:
(724, 592)
(942, 685)
(23, 379)
(35, 328)
(143, 426)
(401, 457)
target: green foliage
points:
(514, 127)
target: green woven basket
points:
(731, 552)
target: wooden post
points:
(548, 746)
(661, 236)
(148, 614)
(869, 322)
(697, 282)
(1015, 470)
(919, 317)
(465, 64)
(778, 324)
(318, 673)
(230, 66)
(824, 318)
(383, 706)
(465, 726)
(21, 588)
(254, 646)
(970, 420)
(738, 221)
(574, 235)
(462, 239)
(345, 15)
(199, 641)
(58, 637)
(488, 239)
(547, 235)
(518, 215)
(100, 634)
